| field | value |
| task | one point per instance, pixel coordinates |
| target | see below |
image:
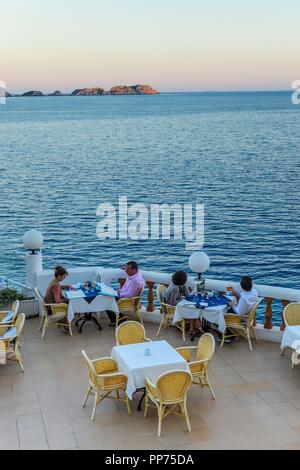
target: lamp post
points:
(33, 241)
(199, 262)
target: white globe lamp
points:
(199, 263)
(33, 241)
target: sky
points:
(172, 45)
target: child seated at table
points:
(246, 299)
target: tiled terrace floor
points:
(257, 406)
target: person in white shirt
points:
(246, 299)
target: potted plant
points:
(8, 296)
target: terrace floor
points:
(257, 406)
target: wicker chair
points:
(291, 317)
(241, 325)
(104, 379)
(10, 340)
(8, 317)
(169, 393)
(58, 316)
(130, 308)
(130, 332)
(167, 312)
(199, 366)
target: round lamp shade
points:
(199, 262)
(33, 240)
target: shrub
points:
(8, 295)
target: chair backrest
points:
(160, 289)
(291, 314)
(172, 386)
(130, 332)
(206, 347)
(15, 309)
(39, 296)
(252, 313)
(91, 369)
(19, 324)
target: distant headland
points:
(95, 91)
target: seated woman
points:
(177, 291)
(53, 292)
(246, 299)
(174, 293)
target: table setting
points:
(209, 305)
(90, 297)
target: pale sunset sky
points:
(173, 45)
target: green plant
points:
(9, 295)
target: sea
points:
(236, 153)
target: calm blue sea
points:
(238, 153)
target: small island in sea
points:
(95, 91)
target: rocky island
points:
(96, 91)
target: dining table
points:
(211, 306)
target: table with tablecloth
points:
(99, 304)
(133, 362)
(191, 311)
(291, 337)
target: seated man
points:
(131, 288)
(245, 301)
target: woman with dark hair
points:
(53, 292)
(177, 289)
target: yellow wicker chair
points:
(9, 346)
(14, 311)
(105, 379)
(291, 316)
(169, 393)
(241, 325)
(167, 312)
(130, 308)
(130, 332)
(199, 366)
(58, 317)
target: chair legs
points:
(160, 326)
(183, 328)
(41, 323)
(86, 397)
(94, 406)
(186, 416)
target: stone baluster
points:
(150, 306)
(268, 323)
(284, 304)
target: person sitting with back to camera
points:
(176, 292)
(131, 288)
(245, 300)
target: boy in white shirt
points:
(245, 301)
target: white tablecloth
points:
(133, 362)
(188, 310)
(290, 336)
(100, 303)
